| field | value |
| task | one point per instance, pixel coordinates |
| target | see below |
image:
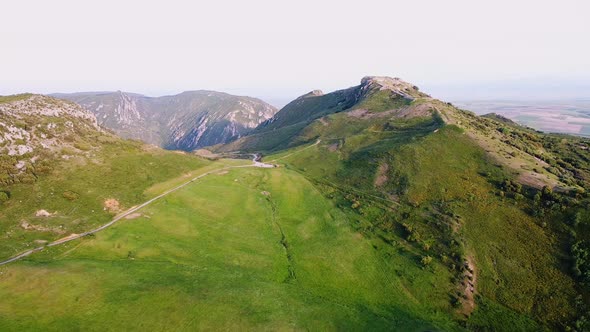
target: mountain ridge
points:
(186, 121)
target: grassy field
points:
(74, 192)
(249, 249)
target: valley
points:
(220, 248)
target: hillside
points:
(60, 173)
(186, 121)
(389, 210)
(377, 94)
(489, 199)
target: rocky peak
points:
(39, 105)
(313, 93)
(393, 84)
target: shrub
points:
(426, 260)
(3, 197)
(82, 146)
(70, 195)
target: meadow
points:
(246, 248)
(74, 192)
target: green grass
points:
(368, 230)
(11, 98)
(121, 170)
(444, 186)
(219, 254)
(383, 100)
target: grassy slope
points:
(120, 169)
(520, 267)
(249, 261)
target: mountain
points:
(380, 104)
(375, 93)
(500, 206)
(375, 207)
(186, 121)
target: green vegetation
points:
(272, 254)
(432, 191)
(11, 98)
(75, 190)
(385, 213)
(383, 100)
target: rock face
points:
(35, 129)
(395, 85)
(31, 122)
(186, 121)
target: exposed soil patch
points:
(133, 216)
(112, 205)
(469, 283)
(43, 213)
(333, 147)
(381, 176)
(366, 114)
(323, 121)
(265, 193)
(415, 111)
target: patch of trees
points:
(581, 255)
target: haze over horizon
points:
(278, 51)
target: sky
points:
(278, 50)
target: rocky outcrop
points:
(36, 130)
(186, 121)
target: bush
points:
(82, 146)
(70, 195)
(426, 260)
(3, 197)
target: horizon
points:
(442, 92)
(454, 50)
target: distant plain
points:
(558, 116)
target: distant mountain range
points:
(186, 121)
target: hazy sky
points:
(281, 49)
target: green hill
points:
(490, 200)
(375, 94)
(60, 173)
(390, 210)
